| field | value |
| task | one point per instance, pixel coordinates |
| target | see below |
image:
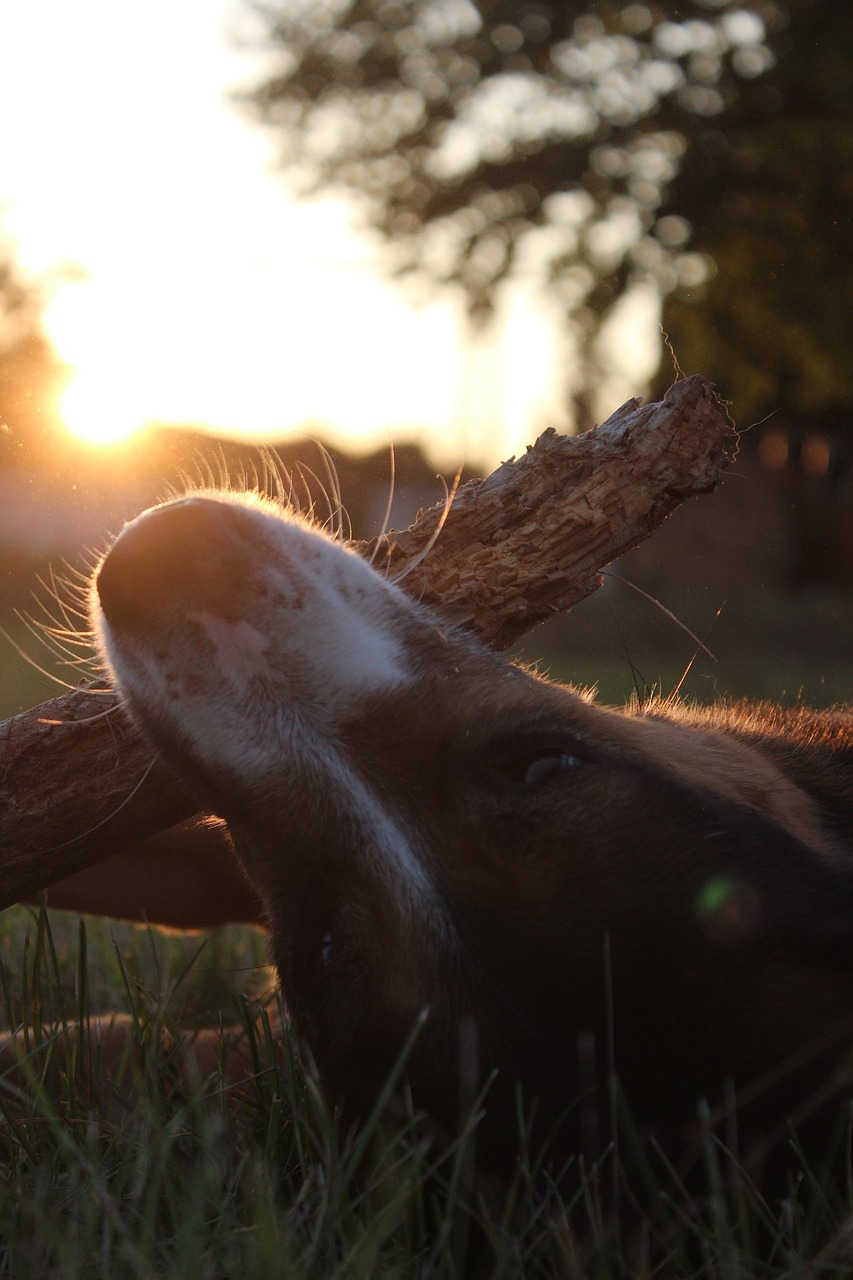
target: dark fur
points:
(663, 897)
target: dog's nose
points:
(190, 551)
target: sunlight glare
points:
(93, 410)
(101, 402)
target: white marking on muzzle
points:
(396, 854)
(264, 693)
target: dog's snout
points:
(190, 552)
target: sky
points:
(190, 286)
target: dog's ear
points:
(186, 877)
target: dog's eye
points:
(540, 767)
(531, 768)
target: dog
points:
(471, 870)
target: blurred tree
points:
(767, 191)
(30, 372)
(700, 146)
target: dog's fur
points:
(569, 894)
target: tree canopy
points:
(769, 195)
(703, 146)
(30, 372)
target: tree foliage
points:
(30, 373)
(597, 144)
(770, 198)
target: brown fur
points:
(663, 895)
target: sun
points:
(101, 402)
(94, 410)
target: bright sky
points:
(210, 296)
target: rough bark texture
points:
(529, 541)
(76, 781)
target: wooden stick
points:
(530, 540)
(77, 782)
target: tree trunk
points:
(77, 782)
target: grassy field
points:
(783, 647)
(177, 1176)
(170, 1175)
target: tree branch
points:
(77, 782)
(529, 541)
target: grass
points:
(782, 647)
(171, 1175)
